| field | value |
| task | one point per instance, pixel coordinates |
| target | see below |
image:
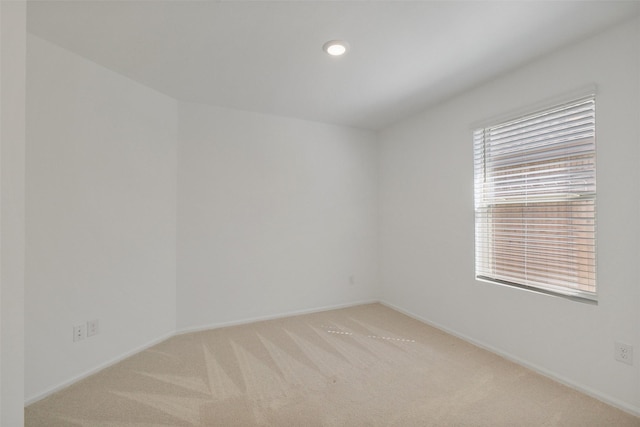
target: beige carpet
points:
(361, 366)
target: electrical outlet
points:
(92, 328)
(79, 332)
(624, 353)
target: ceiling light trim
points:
(335, 47)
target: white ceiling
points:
(266, 56)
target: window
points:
(535, 201)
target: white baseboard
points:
(272, 317)
(634, 410)
(75, 379)
(547, 373)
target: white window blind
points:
(535, 201)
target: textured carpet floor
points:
(361, 366)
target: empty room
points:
(320, 213)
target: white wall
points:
(101, 215)
(274, 216)
(12, 152)
(427, 222)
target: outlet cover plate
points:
(92, 328)
(79, 332)
(624, 353)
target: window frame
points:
(568, 202)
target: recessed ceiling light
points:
(335, 47)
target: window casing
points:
(535, 201)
